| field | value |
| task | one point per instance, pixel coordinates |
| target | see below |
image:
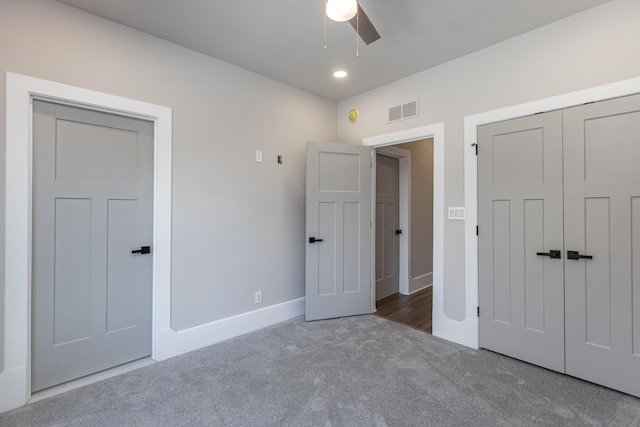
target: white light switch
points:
(258, 156)
(457, 214)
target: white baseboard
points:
(463, 332)
(90, 379)
(13, 388)
(172, 343)
(420, 282)
(421, 289)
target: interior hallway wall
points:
(421, 274)
(238, 225)
(592, 48)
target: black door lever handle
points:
(314, 240)
(143, 250)
(576, 255)
(553, 253)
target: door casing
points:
(471, 123)
(441, 325)
(21, 90)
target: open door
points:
(338, 227)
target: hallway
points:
(410, 310)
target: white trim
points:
(437, 132)
(404, 213)
(420, 282)
(224, 329)
(422, 288)
(14, 377)
(471, 123)
(91, 379)
(192, 339)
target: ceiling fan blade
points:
(363, 26)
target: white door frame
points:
(442, 326)
(15, 364)
(404, 214)
(471, 123)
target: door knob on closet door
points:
(575, 255)
(553, 253)
(143, 250)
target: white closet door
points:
(520, 242)
(602, 221)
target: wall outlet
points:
(258, 156)
(258, 297)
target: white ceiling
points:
(284, 39)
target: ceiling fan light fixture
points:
(341, 10)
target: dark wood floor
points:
(410, 310)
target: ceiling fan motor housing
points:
(341, 10)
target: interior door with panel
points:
(338, 226)
(92, 206)
(387, 225)
(521, 295)
(602, 231)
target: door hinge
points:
(477, 230)
(478, 311)
(475, 144)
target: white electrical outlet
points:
(258, 297)
(258, 156)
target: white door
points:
(338, 227)
(387, 228)
(581, 259)
(521, 293)
(602, 229)
(92, 208)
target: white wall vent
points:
(404, 111)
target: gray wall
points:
(593, 48)
(421, 210)
(238, 226)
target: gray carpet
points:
(357, 371)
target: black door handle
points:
(553, 253)
(314, 240)
(143, 250)
(398, 231)
(576, 255)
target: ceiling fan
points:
(350, 10)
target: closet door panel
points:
(602, 186)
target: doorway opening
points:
(21, 90)
(404, 233)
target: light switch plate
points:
(457, 214)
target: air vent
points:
(395, 113)
(404, 111)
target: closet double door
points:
(559, 240)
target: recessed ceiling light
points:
(340, 74)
